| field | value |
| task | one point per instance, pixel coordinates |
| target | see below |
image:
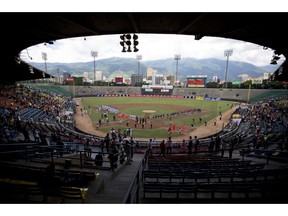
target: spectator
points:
(149, 151)
(162, 148)
(87, 148)
(99, 160)
(196, 144)
(190, 144)
(184, 144)
(169, 146)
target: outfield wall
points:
(225, 94)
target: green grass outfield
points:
(135, 106)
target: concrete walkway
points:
(116, 184)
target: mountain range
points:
(116, 66)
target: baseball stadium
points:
(148, 144)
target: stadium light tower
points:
(44, 57)
(94, 54)
(227, 53)
(177, 58)
(138, 57)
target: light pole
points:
(138, 57)
(94, 54)
(44, 57)
(177, 58)
(227, 53)
(58, 75)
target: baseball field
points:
(155, 115)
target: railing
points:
(132, 195)
(44, 153)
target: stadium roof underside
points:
(22, 30)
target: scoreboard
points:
(119, 80)
(156, 90)
(197, 81)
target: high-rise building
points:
(135, 78)
(150, 73)
(171, 78)
(157, 79)
(98, 76)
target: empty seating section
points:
(209, 178)
(32, 184)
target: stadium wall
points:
(225, 94)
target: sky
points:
(151, 47)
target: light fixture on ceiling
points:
(135, 43)
(126, 42)
(122, 42)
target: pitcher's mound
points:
(148, 111)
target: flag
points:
(122, 115)
(173, 128)
(182, 128)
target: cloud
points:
(151, 47)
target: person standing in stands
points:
(190, 144)
(87, 148)
(184, 145)
(127, 149)
(231, 148)
(217, 143)
(36, 135)
(102, 147)
(99, 160)
(196, 144)
(162, 148)
(149, 151)
(169, 146)
(107, 142)
(211, 144)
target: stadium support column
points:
(227, 53)
(94, 54)
(248, 96)
(177, 58)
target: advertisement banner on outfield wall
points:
(212, 99)
(166, 96)
(199, 98)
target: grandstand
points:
(52, 89)
(239, 168)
